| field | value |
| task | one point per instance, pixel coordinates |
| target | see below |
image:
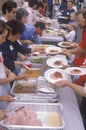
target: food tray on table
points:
(34, 91)
(38, 61)
(33, 72)
(32, 116)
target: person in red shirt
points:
(44, 8)
(81, 20)
(80, 50)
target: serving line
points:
(72, 116)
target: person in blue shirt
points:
(65, 17)
(31, 33)
(50, 5)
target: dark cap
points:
(20, 13)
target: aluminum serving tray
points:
(35, 96)
(41, 108)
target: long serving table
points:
(46, 38)
(51, 38)
(72, 116)
(71, 112)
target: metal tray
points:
(35, 96)
(41, 108)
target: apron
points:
(5, 88)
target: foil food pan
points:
(46, 112)
(36, 94)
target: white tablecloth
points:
(51, 38)
(72, 116)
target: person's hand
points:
(24, 66)
(6, 98)
(22, 57)
(62, 83)
(75, 44)
(2, 114)
(66, 52)
(27, 42)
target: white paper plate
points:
(79, 71)
(53, 50)
(52, 71)
(62, 44)
(51, 62)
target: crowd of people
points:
(22, 26)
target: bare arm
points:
(77, 88)
(10, 77)
(76, 50)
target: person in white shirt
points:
(30, 6)
(70, 34)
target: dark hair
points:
(16, 26)
(83, 12)
(3, 27)
(40, 4)
(32, 3)
(20, 13)
(40, 25)
(8, 5)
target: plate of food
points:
(53, 50)
(56, 62)
(42, 48)
(75, 71)
(65, 44)
(55, 75)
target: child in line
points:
(70, 34)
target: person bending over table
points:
(6, 76)
(11, 47)
(30, 34)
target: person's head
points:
(81, 18)
(39, 27)
(39, 6)
(21, 14)
(17, 28)
(57, 1)
(70, 4)
(33, 4)
(4, 30)
(9, 9)
(73, 16)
